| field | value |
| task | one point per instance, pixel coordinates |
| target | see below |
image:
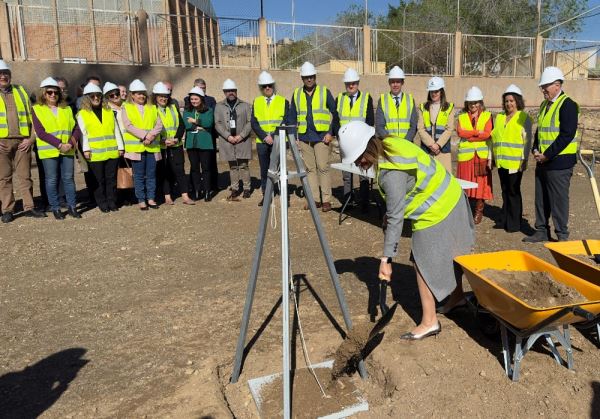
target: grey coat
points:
(243, 149)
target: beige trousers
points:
(18, 164)
(316, 159)
(239, 170)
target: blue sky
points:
(324, 11)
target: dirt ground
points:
(134, 314)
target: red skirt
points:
(469, 170)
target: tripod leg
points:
(324, 245)
(260, 240)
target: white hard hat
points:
(354, 137)
(265, 78)
(474, 94)
(351, 75)
(161, 89)
(229, 85)
(513, 89)
(196, 91)
(396, 73)
(137, 86)
(435, 83)
(550, 75)
(91, 88)
(307, 69)
(49, 82)
(109, 87)
(4, 66)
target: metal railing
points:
(579, 59)
(40, 33)
(414, 52)
(328, 47)
(239, 43)
(497, 56)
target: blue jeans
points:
(56, 168)
(144, 177)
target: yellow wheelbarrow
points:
(527, 323)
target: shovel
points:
(383, 284)
(589, 168)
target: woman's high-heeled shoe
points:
(432, 331)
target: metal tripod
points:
(278, 172)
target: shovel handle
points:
(383, 296)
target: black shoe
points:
(113, 207)
(7, 217)
(35, 213)
(73, 212)
(262, 200)
(208, 197)
(104, 209)
(144, 208)
(153, 206)
(536, 237)
(247, 194)
(58, 214)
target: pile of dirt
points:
(538, 289)
(307, 399)
(589, 259)
(349, 352)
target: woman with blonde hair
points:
(474, 157)
(57, 135)
(102, 145)
(142, 142)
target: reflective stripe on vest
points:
(467, 149)
(436, 191)
(271, 116)
(22, 104)
(146, 123)
(549, 126)
(320, 113)
(358, 112)
(101, 135)
(397, 120)
(170, 122)
(60, 125)
(507, 140)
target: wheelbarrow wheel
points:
(488, 325)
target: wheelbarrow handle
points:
(578, 311)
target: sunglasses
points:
(95, 95)
(113, 95)
(267, 86)
(229, 91)
(309, 77)
(52, 92)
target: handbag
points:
(125, 176)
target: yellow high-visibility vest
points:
(23, 106)
(170, 121)
(436, 192)
(549, 126)
(507, 140)
(467, 149)
(397, 120)
(101, 135)
(358, 112)
(270, 116)
(320, 113)
(440, 123)
(147, 123)
(60, 125)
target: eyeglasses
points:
(230, 91)
(267, 86)
(113, 95)
(52, 92)
(95, 95)
(309, 77)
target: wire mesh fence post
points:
(56, 31)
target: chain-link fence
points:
(238, 42)
(414, 52)
(497, 56)
(330, 48)
(72, 35)
(577, 59)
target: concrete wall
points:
(585, 92)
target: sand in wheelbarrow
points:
(307, 399)
(589, 259)
(538, 289)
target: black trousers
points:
(103, 182)
(171, 170)
(201, 169)
(512, 202)
(214, 169)
(552, 199)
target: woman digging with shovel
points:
(416, 187)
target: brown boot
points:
(478, 211)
